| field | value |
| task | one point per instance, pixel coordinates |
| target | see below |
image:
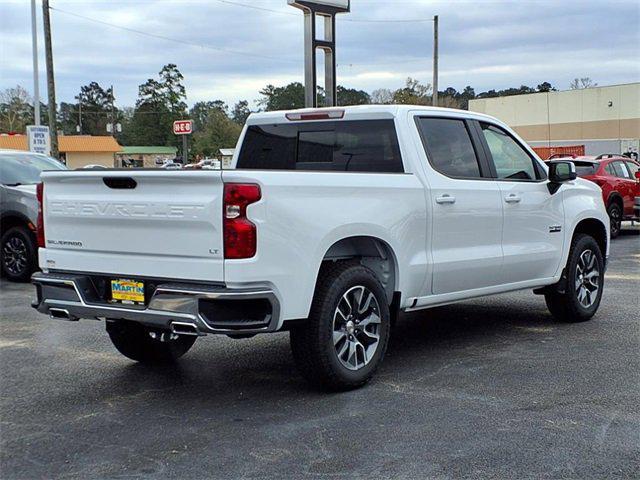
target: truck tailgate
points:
(161, 224)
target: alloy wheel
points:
(15, 256)
(616, 220)
(356, 327)
(587, 281)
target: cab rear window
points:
(348, 146)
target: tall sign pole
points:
(36, 81)
(327, 9)
(435, 61)
(51, 87)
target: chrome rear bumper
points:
(187, 309)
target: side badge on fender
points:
(555, 228)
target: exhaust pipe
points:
(62, 314)
(183, 328)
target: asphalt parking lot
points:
(489, 388)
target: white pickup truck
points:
(330, 223)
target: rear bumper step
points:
(185, 309)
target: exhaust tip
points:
(183, 328)
(61, 314)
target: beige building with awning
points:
(76, 151)
(603, 119)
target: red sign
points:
(183, 127)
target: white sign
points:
(339, 4)
(39, 140)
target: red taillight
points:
(40, 221)
(240, 235)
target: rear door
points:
(466, 226)
(626, 185)
(162, 224)
(532, 237)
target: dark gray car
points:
(19, 175)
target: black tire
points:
(18, 254)
(135, 341)
(312, 343)
(615, 217)
(566, 306)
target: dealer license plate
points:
(129, 291)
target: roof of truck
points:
(361, 112)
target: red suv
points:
(620, 182)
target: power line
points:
(174, 40)
(221, 49)
(355, 20)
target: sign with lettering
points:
(183, 127)
(39, 140)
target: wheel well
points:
(10, 221)
(596, 229)
(371, 252)
(615, 197)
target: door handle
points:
(513, 198)
(445, 199)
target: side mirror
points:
(560, 172)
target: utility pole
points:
(79, 98)
(36, 81)
(51, 87)
(435, 61)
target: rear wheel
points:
(18, 254)
(584, 283)
(146, 345)
(615, 217)
(345, 338)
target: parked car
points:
(172, 166)
(94, 167)
(206, 164)
(19, 174)
(618, 178)
(331, 223)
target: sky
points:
(230, 49)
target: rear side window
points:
(621, 170)
(350, 146)
(449, 147)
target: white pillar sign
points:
(39, 140)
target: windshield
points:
(24, 169)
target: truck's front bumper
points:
(187, 309)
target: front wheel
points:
(345, 338)
(145, 345)
(584, 283)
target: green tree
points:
(201, 111)
(241, 112)
(219, 131)
(288, 97)
(351, 96)
(545, 87)
(413, 93)
(160, 102)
